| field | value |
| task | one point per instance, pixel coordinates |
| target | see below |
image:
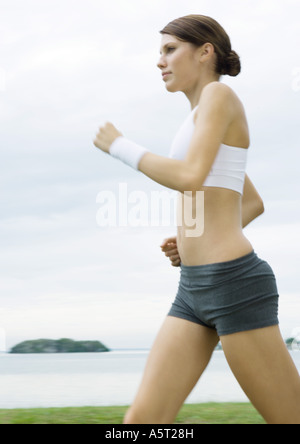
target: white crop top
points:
(228, 170)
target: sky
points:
(66, 67)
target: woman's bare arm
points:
(252, 203)
(214, 115)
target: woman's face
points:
(179, 64)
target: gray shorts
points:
(230, 297)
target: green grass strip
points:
(212, 413)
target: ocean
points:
(99, 379)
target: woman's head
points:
(199, 30)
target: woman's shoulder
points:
(220, 96)
(218, 91)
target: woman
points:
(226, 292)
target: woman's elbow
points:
(260, 207)
(190, 182)
(256, 208)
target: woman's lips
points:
(165, 75)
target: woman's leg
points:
(265, 370)
(178, 358)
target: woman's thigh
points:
(265, 370)
(180, 354)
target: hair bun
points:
(232, 64)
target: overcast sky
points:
(65, 68)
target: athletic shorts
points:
(229, 297)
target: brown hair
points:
(199, 29)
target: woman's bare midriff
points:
(210, 228)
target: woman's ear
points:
(205, 52)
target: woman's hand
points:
(106, 136)
(169, 247)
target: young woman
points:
(226, 292)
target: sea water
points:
(99, 379)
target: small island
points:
(63, 345)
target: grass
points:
(226, 413)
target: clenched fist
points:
(106, 136)
(169, 247)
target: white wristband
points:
(127, 151)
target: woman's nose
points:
(161, 62)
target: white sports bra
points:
(229, 168)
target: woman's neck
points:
(194, 94)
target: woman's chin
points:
(171, 87)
